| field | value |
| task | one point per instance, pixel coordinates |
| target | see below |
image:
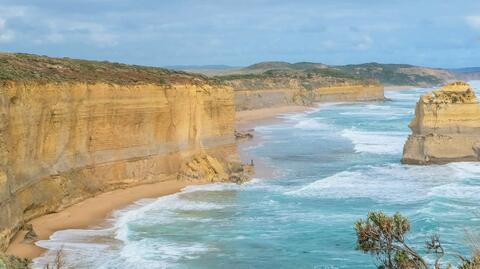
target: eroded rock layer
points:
(248, 99)
(446, 127)
(61, 142)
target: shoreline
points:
(247, 118)
(399, 88)
(87, 213)
(250, 119)
(95, 210)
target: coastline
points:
(247, 118)
(399, 88)
(88, 213)
(95, 210)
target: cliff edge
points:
(446, 127)
(302, 85)
(72, 129)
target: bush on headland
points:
(384, 237)
(13, 262)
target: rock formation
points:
(204, 168)
(248, 99)
(256, 92)
(73, 129)
(277, 84)
(446, 127)
(247, 134)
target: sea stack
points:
(446, 127)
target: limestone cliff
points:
(248, 99)
(66, 137)
(281, 88)
(446, 127)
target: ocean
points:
(333, 165)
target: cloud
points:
(6, 35)
(62, 30)
(365, 42)
(8, 13)
(41, 25)
(242, 32)
(473, 21)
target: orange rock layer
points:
(65, 141)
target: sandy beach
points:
(88, 213)
(243, 118)
(93, 211)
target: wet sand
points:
(88, 213)
(265, 114)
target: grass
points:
(390, 74)
(12, 262)
(28, 67)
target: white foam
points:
(212, 187)
(159, 254)
(456, 191)
(376, 142)
(411, 95)
(379, 111)
(354, 185)
(74, 243)
(167, 205)
(311, 124)
(467, 169)
(398, 183)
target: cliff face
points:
(349, 93)
(273, 89)
(446, 127)
(61, 142)
(257, 99)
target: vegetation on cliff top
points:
(281, 74)
(264, 66)
(28, 67)
(397, 74)
(387, 74)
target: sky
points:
(437, 33)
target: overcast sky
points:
(441, 33)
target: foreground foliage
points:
(383, 237)
(12, 262)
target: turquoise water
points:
(334, 164)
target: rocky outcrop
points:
(204, 168)
(63, 140)
(446, 127)
(247, 134)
